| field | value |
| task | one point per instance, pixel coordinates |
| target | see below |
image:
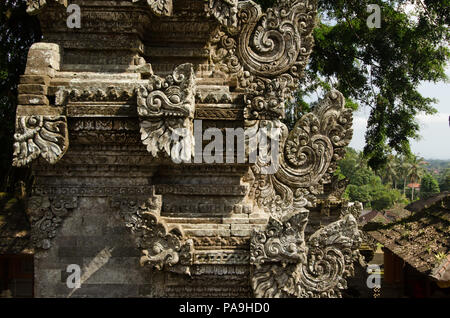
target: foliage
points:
(444, 180)
(17, 32)
(428, 187)
(365, 185)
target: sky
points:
(434, 129)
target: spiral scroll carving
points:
(267, 51)
(284, 264)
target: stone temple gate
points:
(98, 109)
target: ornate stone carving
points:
(267, 52)
(46, 215)
(38, 135)
(317, 269)
(286, 265)
(166, 108)
(225, 11)
(91, 94)
(308, 157)
(35, 6)
(159, 7)
(282, 240)
(162, 248)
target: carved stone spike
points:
(46, 215)
(166, 108)
(159, 7)
(37, 135)
(161, 247)
(35, 6)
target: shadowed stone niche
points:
(108, 119)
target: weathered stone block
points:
(29, 99)
(236, 220)
(35, 79)
(34, 89)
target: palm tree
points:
(403, 166)
(415, 171)
(391, 171)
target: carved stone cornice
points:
(46, 215)
(158, 7)
(162, 248)
(166, 108)
(266, 51)
(39, 135)
(35, 6)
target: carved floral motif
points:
(38, 135)
(322, 266)
(166, 108)
(46, 215)
(111, 94)
(225, 11)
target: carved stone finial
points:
(38, 135)
(166, 108)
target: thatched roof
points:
(423, 238)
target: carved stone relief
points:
(162, 248)
(46, 214)
(266, 52)
(39, 135)
(286, 265)
(159, 7)
(166, 109)
(256, 59)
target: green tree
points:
(444, 180)
(429, 186)
(18, 31)
(415, 171)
